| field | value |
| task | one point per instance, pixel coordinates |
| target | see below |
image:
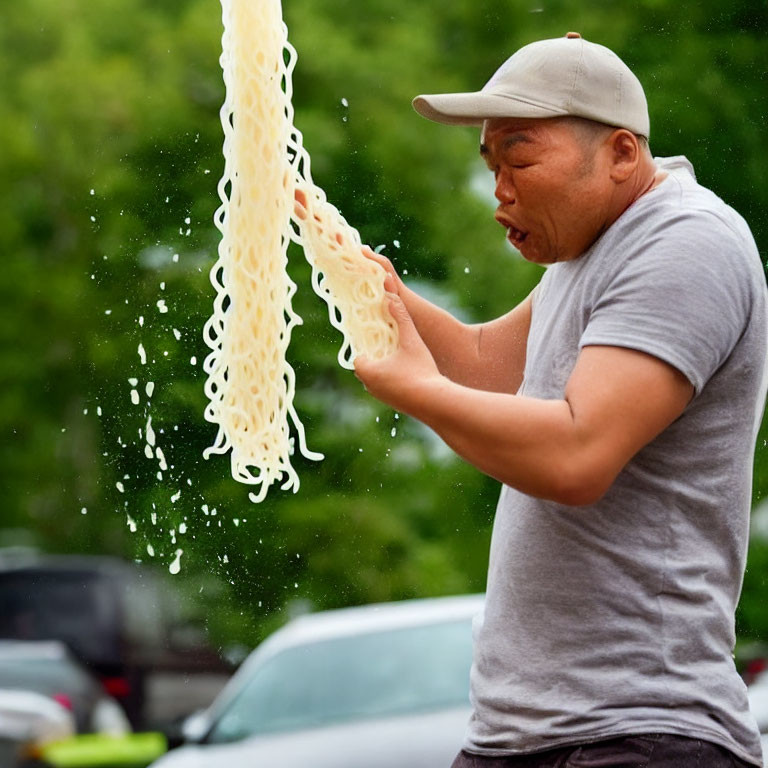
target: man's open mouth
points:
(516, 236)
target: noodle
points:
(250, 385)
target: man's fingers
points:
(391, 279)
(378, 258)
(300, 203)
(400, 314)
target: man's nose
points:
(505, 191)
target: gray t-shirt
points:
(617, 618)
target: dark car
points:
(118, 619)
(48, 668)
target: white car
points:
(28, 721)
(378, 686)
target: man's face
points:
(552, 185)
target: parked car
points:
(28, 722)
(49, 668)
(118, 619)
(378, 686)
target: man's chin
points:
(533, 255)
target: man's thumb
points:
(398, 311)
(405, 326)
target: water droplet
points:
(193, 360)
(120, 487)
(84, 511)
(177, 334)
(142, 354)
(396, 243)
(150, 432)
(135, 397)
(175, 566)
(150, 388)
(162, 308)
(393, 432)
(344, 103)
(466, 270)
(150, 550)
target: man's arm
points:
(488, 356)
(570, 450)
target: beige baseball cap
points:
(550, 78)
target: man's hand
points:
(399, 378)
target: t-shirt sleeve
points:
(683, 296)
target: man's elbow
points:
(576, 486)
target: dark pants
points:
(654, 750)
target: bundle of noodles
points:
(250, 385)
(351, 284)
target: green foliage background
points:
(110, 150)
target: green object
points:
(135, 750)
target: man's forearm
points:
(530, 444)
(453, 344)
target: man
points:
(618, 405)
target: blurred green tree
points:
(111, 150)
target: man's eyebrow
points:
(509, 141)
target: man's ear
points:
(625, 154)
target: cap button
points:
(573, 35)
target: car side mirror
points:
(196, 726)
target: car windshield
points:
(418, 669)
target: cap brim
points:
(474, 108)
